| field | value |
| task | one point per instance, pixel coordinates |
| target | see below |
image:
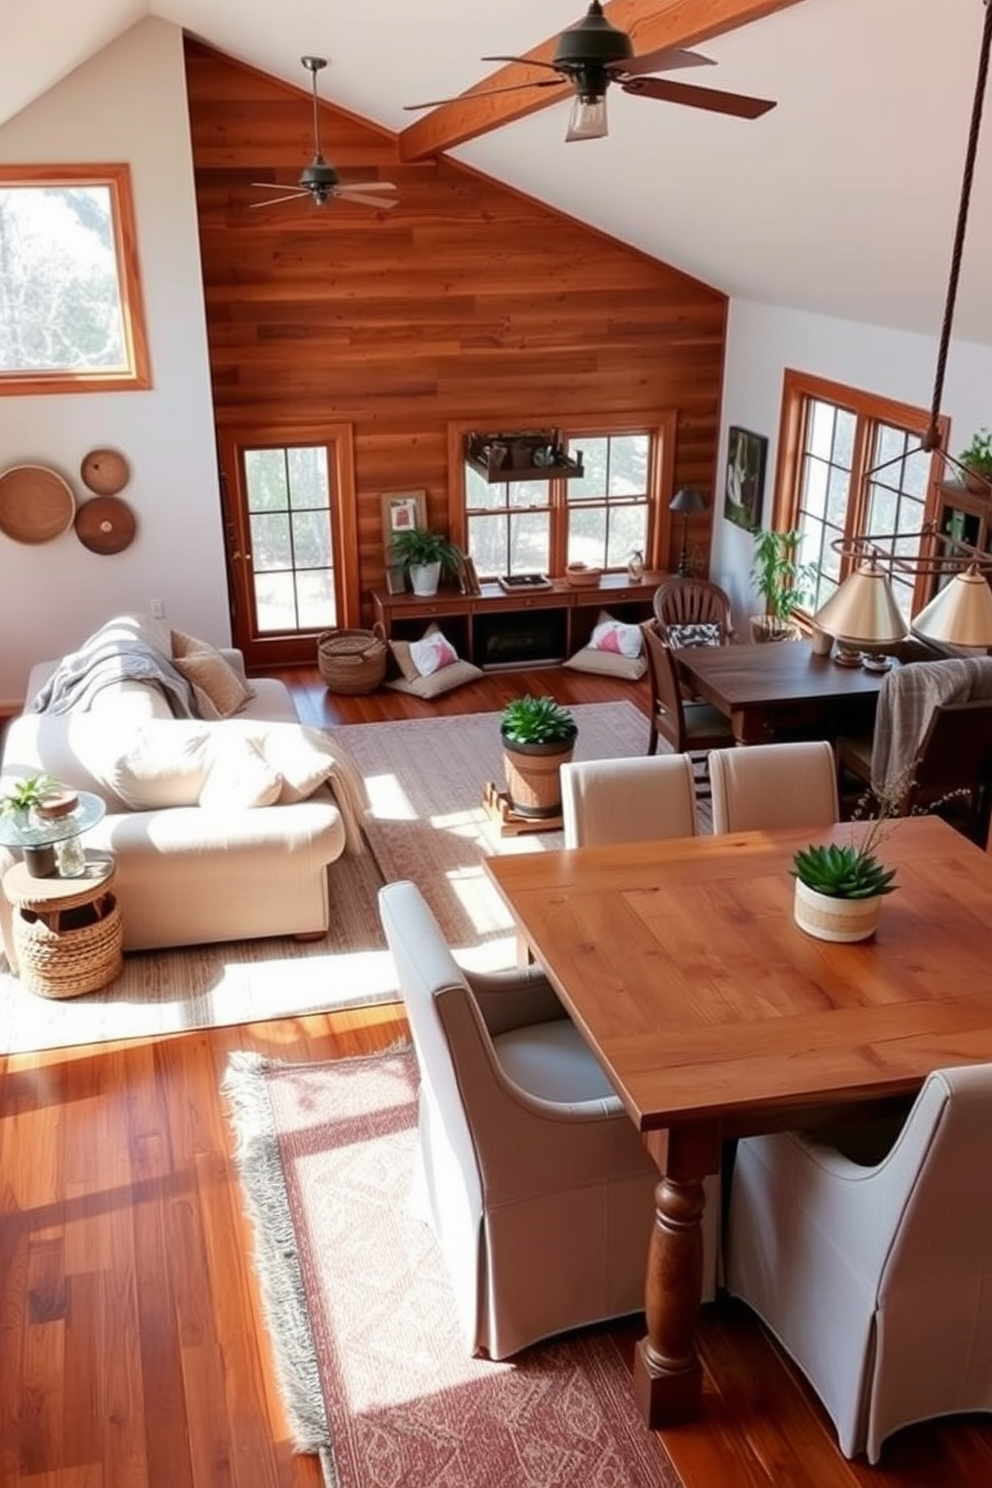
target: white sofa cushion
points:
(239, 777)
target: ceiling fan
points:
(320, 181)
(593, 54)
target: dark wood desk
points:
(780, 686)
(715, 1016)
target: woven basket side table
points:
(68, 934)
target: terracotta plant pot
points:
(532, 779)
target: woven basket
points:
(66, 962)
(353, 661)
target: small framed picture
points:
(746, 455)
(402, 511)
(395, 580)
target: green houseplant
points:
(977, 461)
(782, 581)
(425, 555)
(21, 795)
(538, 736)
(840, 886)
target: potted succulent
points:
(538, 735)
(977, 462)
(840, 887)
(783, 582)
(20, 795)
(425, 554)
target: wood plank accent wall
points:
(468, 301)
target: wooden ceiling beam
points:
(652, 24)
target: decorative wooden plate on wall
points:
(105, 472)
(36, 504)
(105, 525)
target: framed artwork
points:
(401, 511)
(395, 579)
(746, 457)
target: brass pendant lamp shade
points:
(960, 614)
(862, 611)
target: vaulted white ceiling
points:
(841, 200)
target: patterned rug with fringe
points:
(373, 1372)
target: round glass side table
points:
(37, 838)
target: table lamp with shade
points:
(685, 502)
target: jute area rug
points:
(373, 1372)
(426, 779)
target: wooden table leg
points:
(668, 1376)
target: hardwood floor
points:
(132, 1349)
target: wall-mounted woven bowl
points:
(105, 472)
(36, 504)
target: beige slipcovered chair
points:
(774, 785)
(628, 800)
(876, 1274)
(534, 1180)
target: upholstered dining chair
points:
(529, 1171)
(692, 728)
(774, 785)
(628, 800)
(693, 612)
(874, 1269)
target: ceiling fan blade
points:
(367, 185)
(737, 104)
(271, 185)
(666, 59)
(489, 92)
(346, 194)
(527, 61)
(274, 201)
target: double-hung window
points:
(851, 463)
(599, 518)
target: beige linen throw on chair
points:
(906, 701)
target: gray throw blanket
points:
(906, 701)
(102, 661)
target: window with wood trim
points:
(850, 463)
(599, 518)
(71, 318)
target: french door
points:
(289, 530)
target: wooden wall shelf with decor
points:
(493, 625)
(530, 455)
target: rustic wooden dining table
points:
(784, 686)
(714, 1016)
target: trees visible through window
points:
(70, 310)
(852, 463)
(289, 514)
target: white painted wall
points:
(763, 341)
(127, 103)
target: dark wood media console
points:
(495, 629)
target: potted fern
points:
(977, 462)
(538, 736)
(425, 554)
(783, 582)
(840, 887)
